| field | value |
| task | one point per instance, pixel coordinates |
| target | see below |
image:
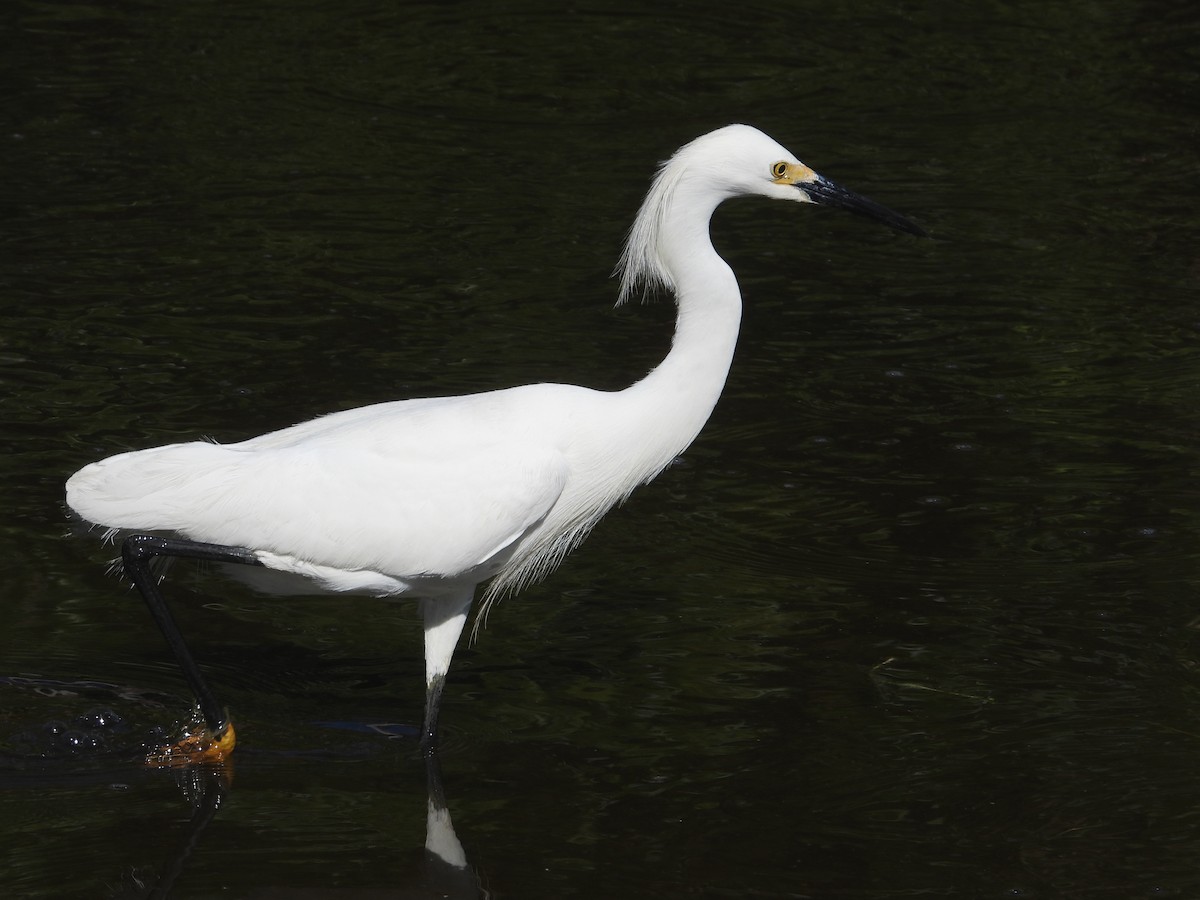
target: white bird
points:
(430, 498)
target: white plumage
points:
(432, 497)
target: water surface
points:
(914, 617)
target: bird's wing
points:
(401, 506)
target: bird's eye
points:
(779, 169)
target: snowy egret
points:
(430, 498)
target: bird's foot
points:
(198, 746)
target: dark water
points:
(916, 616)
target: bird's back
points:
(428, 489)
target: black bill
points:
(826, 193)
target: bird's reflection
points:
(444, 871)
(205, 788)
(446, 864)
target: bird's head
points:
(733, 161)
(740, 159)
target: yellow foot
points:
(197, 747)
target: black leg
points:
(433, 700)
(137, 552)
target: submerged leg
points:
(137, 552)
(444, 619)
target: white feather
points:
(432, 497)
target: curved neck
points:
(706, 331)
(672, 403)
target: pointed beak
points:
(822, 191)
